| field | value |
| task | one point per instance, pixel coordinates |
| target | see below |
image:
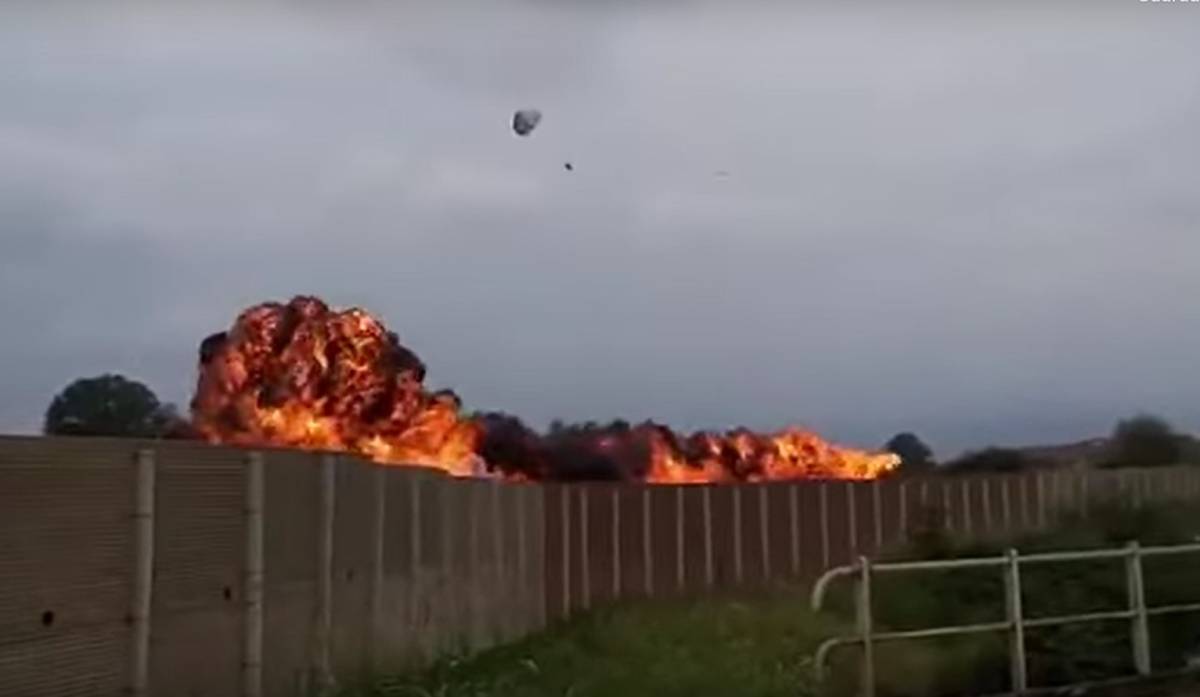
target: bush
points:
(1145, 441)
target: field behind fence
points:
(168, 568)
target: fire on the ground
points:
(303, 375)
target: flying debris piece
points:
(525, 120)
(568, 166)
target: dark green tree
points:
(915, 456)
(1145, 441)
(110, 405)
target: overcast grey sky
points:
(978, 223)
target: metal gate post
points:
(867, 687)
(1016, 631)
(1139, 628)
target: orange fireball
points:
(305, 376)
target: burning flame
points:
(743, 455)
(302, 375)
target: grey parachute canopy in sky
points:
(525, 120)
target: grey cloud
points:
(980, 227)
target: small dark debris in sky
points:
(525, 120)
(568, 166)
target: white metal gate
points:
(1015, 621)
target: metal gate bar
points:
(1137, 613)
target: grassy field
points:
(727, 647)
(760, 645)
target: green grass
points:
(730, 647)
(761, 645)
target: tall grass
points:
(727, 647)
(760, 645)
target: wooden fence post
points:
(764, 530)
(987, 506)
(823, 492)
(414, 547)
(647, 542)
(852, 518)
(794, 524)
(1006, 504)
(143, 572)
(736, 493)
(451, 631)
(709, 568)
(1042, 498)
(1023, 500)
(469, 626)
(520, 493)
(966, 505)
(616, 542)
(252, 580)
(375, 596)
(949, 519)
(680, 559)
(321, 666)
(585, 562)
(566, 549)
(499, 561)
(877, 505)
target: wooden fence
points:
(166, 568)
(609, 541)
(188, 570)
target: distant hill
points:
(1081, 454)
(1093, 452)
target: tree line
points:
(1144, 440)
(115, 406)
